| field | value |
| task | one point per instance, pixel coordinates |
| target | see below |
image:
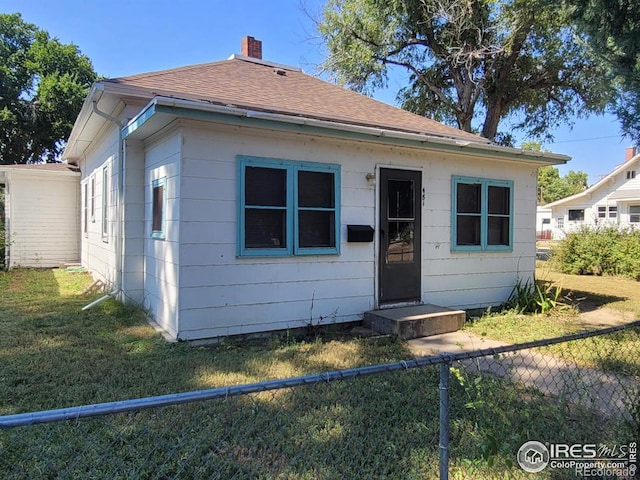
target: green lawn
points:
(580, 292)
(53, 355)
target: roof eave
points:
(175, 107)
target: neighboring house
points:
(245, 196)
(543, 223)
(613, 201)
(42, 223)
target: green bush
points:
(600, 251)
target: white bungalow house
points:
(612, 201)
(245, 196)
(41, 217)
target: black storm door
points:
(400, 214)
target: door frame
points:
(376, 243)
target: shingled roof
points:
(263, 86)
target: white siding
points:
(221, 294)
(43, 218)
(161, 275)
(98, 252)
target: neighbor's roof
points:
(252, 84)
(620, 195)
(42, 167)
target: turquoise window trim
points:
(484, 183)
(291, 223)
(160, 234)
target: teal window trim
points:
(484, 215)
(105, 204)
(291, 207)
(159, 183)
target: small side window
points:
(158, 195)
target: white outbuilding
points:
(42, 220)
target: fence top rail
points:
(100, 409)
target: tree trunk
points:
(491, 121)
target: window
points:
(105, 203)
(613, 212)
(158, 196)
(560, 222)
(288, 208)
(576, 215)
(602, 212)
(634, 213)
(93, 199)
(85, 215)
(482, 214)
(631, 174)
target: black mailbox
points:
(359, 233)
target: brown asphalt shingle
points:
(262, 87)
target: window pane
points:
(400, 198)
(498, 200)
(576, 215)
(265, 187)
(158, 199)
(469, 198)
(498, 231)
(401, 245)
(316, 229)
(265, 228)
(468, 230)
(315, 189)
(602, 212)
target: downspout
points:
(119, 204)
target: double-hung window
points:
(634, 213)
(105, 203)
(288, 208)
(482, 214)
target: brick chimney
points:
(251, 48)
(630, 153)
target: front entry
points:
(400, 242)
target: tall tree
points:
(552, 187)
(613, 31)
(42, 86)
(471, 63)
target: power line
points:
(586, 139)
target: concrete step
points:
(415, 321)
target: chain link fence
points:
(464, 415)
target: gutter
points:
(119, 234)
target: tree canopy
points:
(471, 63)
(552, 187)
(613, 31)
(42, 86)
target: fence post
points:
(444, 419)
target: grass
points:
(53, 355)
(586, 293)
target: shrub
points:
(600, 251)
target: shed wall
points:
(44, 222)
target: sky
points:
(135, 36)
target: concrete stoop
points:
(415, 321)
